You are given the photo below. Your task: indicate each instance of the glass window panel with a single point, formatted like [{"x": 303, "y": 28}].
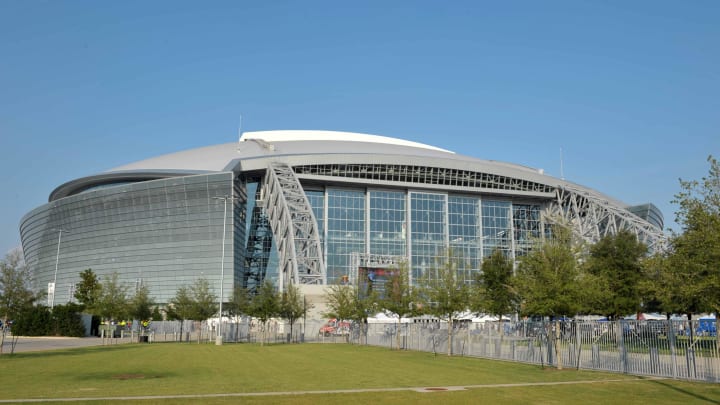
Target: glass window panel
[
  {"x": 496, "y": 227},
  {"x": 526, "y": 224},
  {"x": 345, "y": 231},
  {"x": 387, "y": 223},
  {"x": 427, "y": 227},
  {"x": 465, "y": 233}
]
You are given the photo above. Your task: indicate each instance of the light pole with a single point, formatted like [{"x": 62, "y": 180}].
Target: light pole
[
  {"x": 219, "y": 337},
  {"x": 57, "y": 260}
]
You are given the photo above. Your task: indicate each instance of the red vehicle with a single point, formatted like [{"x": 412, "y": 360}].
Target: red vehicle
[{"x": 333, "y": 327}]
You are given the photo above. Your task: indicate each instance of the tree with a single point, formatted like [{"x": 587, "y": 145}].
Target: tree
[
  {"x": 694, "y": 256},
  {"x": 446, "y": 295},
  {"x": 141, "y": 305},
  {"x": 399, "y": 299},
  {"x": 156, "y": 314},
  {"x": 547, "y": 278},
  {"x": 15, "y": 292},
  {"x": 346, "y": 303},
  {"x": 493, "y": 290},
  {"x": 616, "y": 261},
  {"x": 340, "y": 299},
  {"x": 291, "y": 306},
  {"x": 239, "y": 304},
  {"x": 181, "y": 307},
  {"x": 205, "y": 302},
  {"x": 548, "y": 281},
  {"x": 265, "y": 305},
  {"x": 364, "y": 304},
  {"x": 88, "y": 289},
  {"x": 112, "y": 303}
]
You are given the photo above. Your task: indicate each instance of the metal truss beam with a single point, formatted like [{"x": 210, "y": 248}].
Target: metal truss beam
[
  {"x": 294, "y": 228},
  {"x": 592, "y": 218}
]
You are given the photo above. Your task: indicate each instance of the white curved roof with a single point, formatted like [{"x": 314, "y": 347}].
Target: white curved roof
[
  {"x": 294, "y": 135},
  {"x": 292, "y": 145},
  {"x": 217, "y": 157}
]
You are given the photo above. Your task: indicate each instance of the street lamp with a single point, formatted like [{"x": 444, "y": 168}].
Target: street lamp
[
  {"x": 219, "y": 337},
  {"x": 57, "y": 260}
]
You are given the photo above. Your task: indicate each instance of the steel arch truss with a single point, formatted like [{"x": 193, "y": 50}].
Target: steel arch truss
[
  {"x": 592, "y": 218},
  {"x": 294, "y": 228}
]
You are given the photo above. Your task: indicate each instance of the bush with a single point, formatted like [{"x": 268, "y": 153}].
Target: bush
[
  {"x": 66, "y": 321},
  {"x": 32, "y": 321}
]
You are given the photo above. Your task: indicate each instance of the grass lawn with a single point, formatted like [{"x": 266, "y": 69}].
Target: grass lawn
[{"x": 191, "y": 369}]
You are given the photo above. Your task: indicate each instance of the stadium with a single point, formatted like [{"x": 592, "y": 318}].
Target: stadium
[{"x": 305, "y": 208}]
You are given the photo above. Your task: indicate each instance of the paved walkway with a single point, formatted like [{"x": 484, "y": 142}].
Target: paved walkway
[{"x": 270, "y": 394}]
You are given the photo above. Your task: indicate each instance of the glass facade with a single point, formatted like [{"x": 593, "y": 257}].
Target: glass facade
[
  {"x": 161, "y": 233},
  {"x": 496, "y": 229},
  {"x": 387, "y": 223},
  {"x": 466, "y": 233},
  {"x": 526, "y": 227},
  {"x": 420, "y": 226},
  {"x": 168, "y": 233},
  {"x": 428, "y": 232},
  {"x": 345, "y": 231}
]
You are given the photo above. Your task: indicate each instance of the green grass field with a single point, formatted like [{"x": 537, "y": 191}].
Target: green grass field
[{"x": 191, "y": 369}]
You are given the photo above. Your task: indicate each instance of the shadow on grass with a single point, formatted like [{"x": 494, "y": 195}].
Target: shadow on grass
[
  {"x": 75, "y": 351},
  {"x": 686, "y": 392},
  {"x": 134, "y": 374}
]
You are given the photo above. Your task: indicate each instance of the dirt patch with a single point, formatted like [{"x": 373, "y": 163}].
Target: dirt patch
[{"x": 435, "y": 389}]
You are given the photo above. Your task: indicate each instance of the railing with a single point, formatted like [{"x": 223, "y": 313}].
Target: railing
[
  {"x": 675, "y": 349},
  {"x": 650, "y": 348}
]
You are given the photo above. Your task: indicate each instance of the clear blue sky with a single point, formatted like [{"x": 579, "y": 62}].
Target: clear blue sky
[{"x": 630, "y": 90}]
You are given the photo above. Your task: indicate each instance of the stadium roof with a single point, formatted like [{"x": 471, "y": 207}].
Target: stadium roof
[{"x": 255, "y": 149}]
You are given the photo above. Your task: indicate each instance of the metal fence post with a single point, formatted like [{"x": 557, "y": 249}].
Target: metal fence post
[{"x": 621, "y": 345}]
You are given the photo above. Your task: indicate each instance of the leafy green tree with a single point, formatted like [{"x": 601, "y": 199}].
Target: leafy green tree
[
  {"x": 365, "y": 305},
  {"x": 694, "y": 257},
  {"x": 140, "y": 307},
  {"x": 181, "y": 307},
  {"x": 549, "y": 282},
  {"x": 340, "y": 300},
  {"x": 658, "y": 288},
  {"x": 291, "y": 306},
  {"x": 87, "y": 291},
  {"x": 399, "y": 299},
  {"x": 156, "y": 314},
  {"x": 346, "y": 303},
  {"x": 205, "y": 302},
  {"x": 547, "y": 278},
  {"x": 446, "y": 295},
  {"x": 112, "y": 303},
  {"x": 15, "y": 293},
  {"x": 265, "y": 305},
  {"x": 239, "y": 305},
  {"x": 493, "y": 291},
  {"x": 617, "y": 261}
]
